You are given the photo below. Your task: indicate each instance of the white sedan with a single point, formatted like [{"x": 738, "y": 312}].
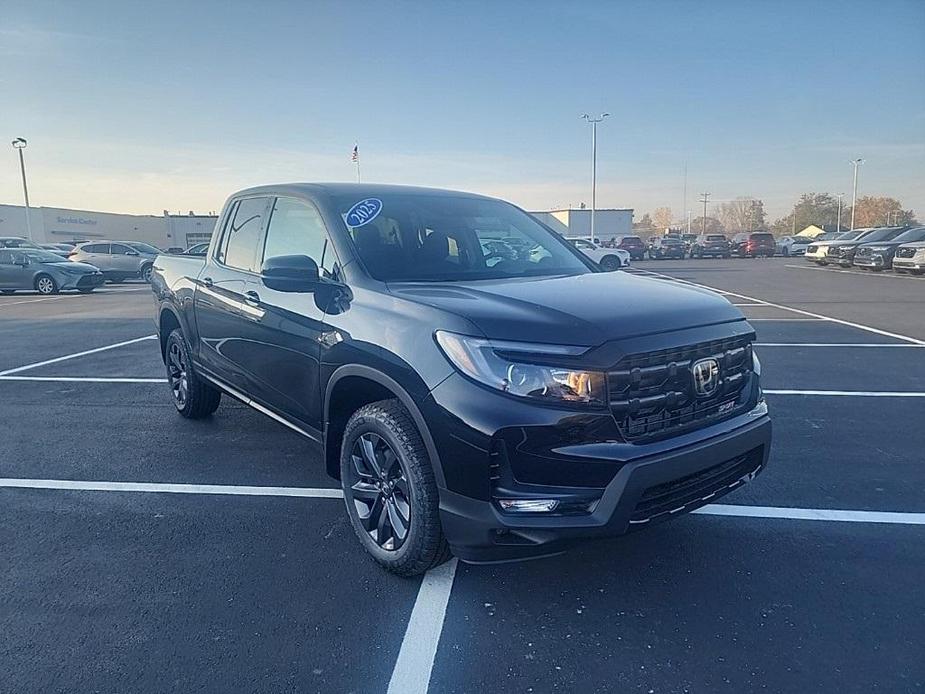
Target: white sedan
[{"x": 607, "y": 258}]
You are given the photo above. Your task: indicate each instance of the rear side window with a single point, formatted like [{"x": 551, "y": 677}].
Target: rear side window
[
  {"x": 239, "y": 244},
  {"x": 716, "y": 237},
  {"x": 95, "y": 248},
  {"x": 6, "y": 257}
]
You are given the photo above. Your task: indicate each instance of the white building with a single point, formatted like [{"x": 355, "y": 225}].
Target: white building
[
  {"x": 572, "y": 223},
  {"x": 56, "y": 224}
]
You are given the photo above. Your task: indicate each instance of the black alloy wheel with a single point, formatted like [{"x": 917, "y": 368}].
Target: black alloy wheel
[
  {"x": 379, "y": 489},
  {"x": 178, "y": 374}
]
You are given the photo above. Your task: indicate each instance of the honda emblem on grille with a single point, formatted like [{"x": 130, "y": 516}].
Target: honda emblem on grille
[{"x": 706, "y": 377}]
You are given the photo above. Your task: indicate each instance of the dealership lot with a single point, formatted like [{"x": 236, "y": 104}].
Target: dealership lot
[{"x": 119, "y": 575}]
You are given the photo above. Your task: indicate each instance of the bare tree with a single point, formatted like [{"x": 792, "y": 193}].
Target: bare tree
[
  {"x": 661, "y": 218},
  {"x": 742, "y": 214}
]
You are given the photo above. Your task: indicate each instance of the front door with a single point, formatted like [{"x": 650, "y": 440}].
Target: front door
[{"x": 287, "y": 327}]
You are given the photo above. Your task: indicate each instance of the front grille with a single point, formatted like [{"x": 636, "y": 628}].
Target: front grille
[
  {"x": 905, "y": 253},
  {"x": 687, "y": 493},
  {"x": 652, "y": 394}
]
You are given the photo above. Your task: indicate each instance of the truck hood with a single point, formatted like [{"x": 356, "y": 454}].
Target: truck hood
[{"x": 585, "y": 310}]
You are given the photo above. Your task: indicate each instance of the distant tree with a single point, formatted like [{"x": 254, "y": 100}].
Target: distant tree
[
  {"x": 662, "y": 218},
  {"x": 742, "y": 214},
  {"x": 879, "y": 211},
  {"x": 644, "y": 224},
  {"x": 820, "y": 209},
  {"x": 712, "y": 225}
]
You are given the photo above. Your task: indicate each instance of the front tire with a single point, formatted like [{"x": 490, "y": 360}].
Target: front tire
[
  {"x": 610, "y": 263},
  {"x": 390, "y": 490},
  {"x": 45, "y": 284},
  {"x": 193, "y": 397}
]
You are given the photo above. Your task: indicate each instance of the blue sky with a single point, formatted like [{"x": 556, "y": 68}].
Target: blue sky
[{"x": 137, "y": 107}]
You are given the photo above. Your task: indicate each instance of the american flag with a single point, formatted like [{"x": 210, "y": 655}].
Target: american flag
[{"x": 356, "y": 153}]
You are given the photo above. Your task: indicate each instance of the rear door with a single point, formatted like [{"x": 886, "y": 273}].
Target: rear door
[
  {"x": 10, "y": 272},
  {"x": 285, "y": 327},
  {"x": 97, "y": 254},
  {"x": 223, "y": 319},
  {"x": 123, "y": 258}
]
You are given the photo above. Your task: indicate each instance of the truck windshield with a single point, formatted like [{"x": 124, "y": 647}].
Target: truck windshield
[{"x": 444, "y": 238}]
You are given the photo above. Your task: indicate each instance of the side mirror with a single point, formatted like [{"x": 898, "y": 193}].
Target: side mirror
[{"x": 290, "y": 273}]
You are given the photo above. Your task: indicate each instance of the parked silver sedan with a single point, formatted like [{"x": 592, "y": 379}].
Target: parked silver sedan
[{"x": 43, "y": 271}]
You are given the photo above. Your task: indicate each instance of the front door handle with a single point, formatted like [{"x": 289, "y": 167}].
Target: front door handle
[{"x": 252, "y": 298}]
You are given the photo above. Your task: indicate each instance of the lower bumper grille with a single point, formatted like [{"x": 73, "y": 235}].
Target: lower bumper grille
[
  {"x": 687, "y": 493},
  {"x": 90, "y": 281}
]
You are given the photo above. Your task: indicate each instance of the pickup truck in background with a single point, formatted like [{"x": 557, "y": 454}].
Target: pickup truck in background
[{"x": 491, "y": 405}]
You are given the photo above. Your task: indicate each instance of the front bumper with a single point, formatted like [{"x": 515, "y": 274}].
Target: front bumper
[
  {"x": 87, "y": 281},
  {"x": 908, "y": 264},
  {"x": 875, "y": 261},
  {"x": 605, "y": 486}
]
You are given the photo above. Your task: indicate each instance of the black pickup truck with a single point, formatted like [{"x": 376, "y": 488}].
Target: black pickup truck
[{"x": 475, "y": 383}]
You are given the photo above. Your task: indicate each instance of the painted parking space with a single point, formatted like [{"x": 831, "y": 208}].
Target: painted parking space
[
  {"x": 138, "y": 593},
  {"x": 699, "y": 604}
]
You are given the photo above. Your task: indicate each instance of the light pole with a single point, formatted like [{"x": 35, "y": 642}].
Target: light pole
[
  {"x": 593, "y": 122},
  {"x": 854, "y": 196},
  {"x": 20, "y": 144},
  {"x": 838, "y": 223}
]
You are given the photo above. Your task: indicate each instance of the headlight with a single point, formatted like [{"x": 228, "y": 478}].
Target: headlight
[
  {"x": 756, "y": 363},
  {"x": 497, "y": 365},
  {"x": 920, "y": 253}
]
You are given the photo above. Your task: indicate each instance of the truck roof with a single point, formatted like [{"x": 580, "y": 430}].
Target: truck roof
[{"x": 360, "y": 190}]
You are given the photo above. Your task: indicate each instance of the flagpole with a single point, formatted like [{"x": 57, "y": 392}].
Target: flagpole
[{"x": 358, "y": 168}]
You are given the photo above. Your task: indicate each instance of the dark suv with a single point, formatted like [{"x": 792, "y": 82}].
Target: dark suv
[
  {"x": 754, "y": 244},
  {"x": 713, "y": 245},
  {"x": 634, "y": 246},
  {"x": 495, "y": 405}
]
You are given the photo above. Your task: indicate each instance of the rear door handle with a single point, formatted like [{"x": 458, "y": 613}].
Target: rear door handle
[
  {"x": 252, "y": 298},
  {"x": 206, "y": 281}
]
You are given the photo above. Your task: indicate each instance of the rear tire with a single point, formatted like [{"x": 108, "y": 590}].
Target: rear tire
[
  {"x": 45, "y": 284},
  {"x": 389, "y": 487},
  {"x": 193, "y": 397}
]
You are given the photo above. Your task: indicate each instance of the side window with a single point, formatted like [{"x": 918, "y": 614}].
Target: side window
[
  {"x": 119, "y": 249},
  {"x": 239, "y": 245},
  {"x": 96, "y": 248},
  {"x": 296, "y": 228},
  {"x": 6, "y": 258}
]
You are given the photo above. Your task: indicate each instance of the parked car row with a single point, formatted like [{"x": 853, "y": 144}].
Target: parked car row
[{"x": 901, "y": 249}]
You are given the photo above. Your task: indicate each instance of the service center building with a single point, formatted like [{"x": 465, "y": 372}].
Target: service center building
[{"x": 61, "y": 225}]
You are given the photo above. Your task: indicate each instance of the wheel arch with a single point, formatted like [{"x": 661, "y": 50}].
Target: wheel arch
[
  {"x": 350, "y": 387},
  {"x": 167, "y": 322}
]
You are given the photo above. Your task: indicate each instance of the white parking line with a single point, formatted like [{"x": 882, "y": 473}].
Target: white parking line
[
  {"x": 817, "y": 316},
  {"x": 815, "y": 514},
  {"x": 785, "y": 320},
  {"x": 30, "y": 301},
  {"x": 836, "y": 344},
  {"x": 419, "y": 646},
  {"x": 854, "y": 272},
  {"x": 850, "y": 393},
  {"x": 157, "y": 487},
  {"x": 75, "y": 355},
  {"x": 82, "y": 379}
]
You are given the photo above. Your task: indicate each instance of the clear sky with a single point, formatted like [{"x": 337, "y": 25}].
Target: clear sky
[{"x": 142, "y": 106}]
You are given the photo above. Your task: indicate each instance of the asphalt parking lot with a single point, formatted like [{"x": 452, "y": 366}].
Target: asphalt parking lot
[{"x": 142, "y": 552}]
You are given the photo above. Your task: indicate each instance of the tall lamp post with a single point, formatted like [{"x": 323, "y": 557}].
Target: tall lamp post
[
  {"x": 593, "y": 122},
  {"x": 20, "y": 144},
  {"x": 854, "y": 196},
  {"x": 838, "y": 223}
]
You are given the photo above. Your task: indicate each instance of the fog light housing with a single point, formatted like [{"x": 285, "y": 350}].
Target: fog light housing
[{"x": 528, "y": 505}]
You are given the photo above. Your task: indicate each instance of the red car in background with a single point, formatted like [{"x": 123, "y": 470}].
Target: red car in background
[
  {"x": 753, "y": 244},
  {"x": 634, "y": 246}
]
